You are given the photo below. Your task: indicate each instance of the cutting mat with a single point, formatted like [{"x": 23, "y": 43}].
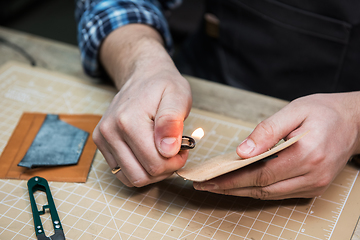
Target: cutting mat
[{"x": 103, "y": 208}]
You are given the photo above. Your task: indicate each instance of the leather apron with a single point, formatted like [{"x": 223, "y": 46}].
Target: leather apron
[{"x": 281, "y": 48}]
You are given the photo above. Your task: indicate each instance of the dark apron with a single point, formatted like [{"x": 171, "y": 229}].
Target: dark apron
[{"x": 281, "y": 48}]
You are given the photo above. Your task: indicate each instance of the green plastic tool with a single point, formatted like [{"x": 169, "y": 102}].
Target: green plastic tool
[{"x": 40, "y": 184}]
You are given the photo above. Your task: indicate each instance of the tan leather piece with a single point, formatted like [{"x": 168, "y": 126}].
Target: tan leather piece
[
  {"x": 222, "y": 164},
  {"x": 25, "y": 133}
]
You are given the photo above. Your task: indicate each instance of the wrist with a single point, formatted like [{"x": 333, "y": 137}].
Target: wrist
[
  {"x": 356, "y": 119},
  {"x": 127, "y": 47},
  {"x": 353, "y": 110},
  {"x": 148, "y": 59},
  {"x": 347, "y": 107}
]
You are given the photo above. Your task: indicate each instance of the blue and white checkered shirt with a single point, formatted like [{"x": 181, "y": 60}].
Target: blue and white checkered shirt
[{"x": 97, "y": 18}]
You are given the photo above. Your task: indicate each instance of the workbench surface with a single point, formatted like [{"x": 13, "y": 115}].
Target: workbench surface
[{"x": 222, "y": 100}]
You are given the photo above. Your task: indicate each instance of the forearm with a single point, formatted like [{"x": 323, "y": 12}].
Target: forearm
[
  {"x": 98, "y": 19},
  {"x": 128, "y": 48}
]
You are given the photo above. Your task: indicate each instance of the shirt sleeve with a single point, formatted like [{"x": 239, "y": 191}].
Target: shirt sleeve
[{"x": 98, "y": 18}]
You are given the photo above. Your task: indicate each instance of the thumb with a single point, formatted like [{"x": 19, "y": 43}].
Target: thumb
[
  {"x": 169, "y": 124},
  {"x": 269, "y": 132}
]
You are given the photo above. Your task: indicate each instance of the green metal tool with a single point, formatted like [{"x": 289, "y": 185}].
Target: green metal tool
[{"x": 40, "y": 184}]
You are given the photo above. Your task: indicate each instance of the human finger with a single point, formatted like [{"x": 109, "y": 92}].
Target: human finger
[
  {"x": 131, "y": 168},
  {"x": 271, "y": 131},
  {"x": 106, "y": 151},
  {"x": 173, "y": 109},
  {"x": 280, "y": 190},
  {"x": 289, "y": 163}
]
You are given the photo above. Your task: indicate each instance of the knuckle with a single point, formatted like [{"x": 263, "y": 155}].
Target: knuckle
[
  {"x": 171, "y": 117},
  {"x": 96, "y": 136},
  {"x": 264, "y": 178},
  {"x": 124, "y": 122},
  {"x": 102, "y": 131},
  {"x": 323, "y": 182},
  {"x": 103, "y": 128},
  {"x": 317, "y": 158},
  {"x": 232, "y": 183},
  {"x": 260, "y": 193},
  {"x": 267, "y": 128},
  {"x": 155, "y": 170},
  {"x": 315, "y": 162},
  {"x": 140, "y": 183}
]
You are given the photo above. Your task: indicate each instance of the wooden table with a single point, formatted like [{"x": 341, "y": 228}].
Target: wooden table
[
  {"x": 64, "y": 58},
  {"x": 210, "y": 96}
]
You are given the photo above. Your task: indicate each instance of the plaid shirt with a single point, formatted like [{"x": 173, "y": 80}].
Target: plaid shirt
[{"x": 97, "y": 18}]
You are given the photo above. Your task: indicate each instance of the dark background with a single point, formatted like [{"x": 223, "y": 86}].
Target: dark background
[{"x": 55, "y": 19}]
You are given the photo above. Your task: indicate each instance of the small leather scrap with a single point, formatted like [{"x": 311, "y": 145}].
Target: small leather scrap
[
  {"x": 56, "y": 144},
  {"x": 229, "y": 162},
  {"x": 24, "y": 135}
]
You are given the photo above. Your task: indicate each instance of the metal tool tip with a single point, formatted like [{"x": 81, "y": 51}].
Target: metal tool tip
[{"x": 187, "y": 143}]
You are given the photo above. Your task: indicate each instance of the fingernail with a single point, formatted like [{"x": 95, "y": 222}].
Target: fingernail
[
  {"x": 247, "y": 146},
  {"x": 167, "y": 145},
  {"x": 205, "y": 186}
]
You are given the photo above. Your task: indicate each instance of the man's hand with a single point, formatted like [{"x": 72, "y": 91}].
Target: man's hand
[
  {"x": 306, "y": 168},
  {"x": 142, "y": 128}
]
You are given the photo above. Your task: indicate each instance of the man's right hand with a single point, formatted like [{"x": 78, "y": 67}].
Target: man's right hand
[{"x": 142, "y": 128}]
